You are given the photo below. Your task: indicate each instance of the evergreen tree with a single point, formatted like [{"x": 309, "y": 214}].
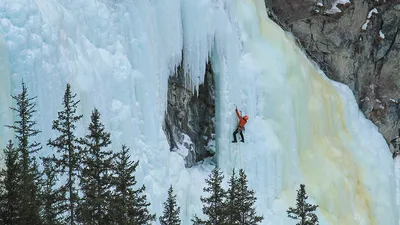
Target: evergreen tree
[
  {"x": 303, "y": 211},
  {"x": 67, "y": 147},
  {"x": 171, "y": 210},
  {"x": 213, "y": 205},
  {"x": 35, "y": 193},
  {"x": 24, "y": 129},
  {"x": 96, "y": 176},
  {"x": 197, "y": 221},
  {"x": 232, "y": 198},
  {"x": 129, "y": 206},
  {"x": 10, "y": 198},
  {"x": 2, "y": 199},
  {"x": 246, "y": 200},
  {"x": 53, "y": 204}
]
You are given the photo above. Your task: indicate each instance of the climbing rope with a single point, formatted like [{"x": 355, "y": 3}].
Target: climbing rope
[{"x": 240, "y": 157}]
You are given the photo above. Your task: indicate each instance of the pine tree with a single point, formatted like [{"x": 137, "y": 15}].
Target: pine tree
[
  {"x": 303, "y": 211},
  {"x": 232, "y": 198},
  {"x": 213, "y": 205},
  {"x": 171, "y": 210},
  {"x": 35, "y": 193},
  {"x": 246, "y": 200},
  {"x": 96, "y": 176},
  {"x": 67, "y": 147},
  {"x": 24, "y": 129},
  {"x": 53, "y": 204},
  {"x": 129, "y": 206},
  {"x": 3, "y": 192},
  {"x": 197, "y": 221},
  {"x": 10, "y": 198}
]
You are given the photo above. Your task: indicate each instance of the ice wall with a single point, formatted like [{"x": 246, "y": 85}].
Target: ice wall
[
  {"x": 303, "y": 128},
  {"x": 397, "y": 174},
  {"x": 118, "y": 55},
  {"x": 5, "y": 101}
]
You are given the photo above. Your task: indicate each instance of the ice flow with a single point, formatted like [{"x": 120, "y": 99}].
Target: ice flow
[{"x": 118, "y": 56}]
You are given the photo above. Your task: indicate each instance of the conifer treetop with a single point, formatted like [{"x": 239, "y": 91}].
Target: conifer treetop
[
  {"x": 171, "y": 210},
  {"x": 304, "y": 211},
  {"x": 213, "y": 204},
  {"x": 96, "y": 178},
  {"x": 24, "y": 125},
  {"x": 130, "y": 206},
  {"x": 246, "y": 201},
  {"x": 66, "y": 144},
  {"x": 25, "y": 131}
]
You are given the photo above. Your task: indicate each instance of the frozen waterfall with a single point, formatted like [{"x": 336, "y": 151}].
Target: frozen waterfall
[{"x": 118, "y": 56}]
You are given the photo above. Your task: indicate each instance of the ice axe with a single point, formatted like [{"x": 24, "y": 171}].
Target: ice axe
[{"x": 236, "y": 108}]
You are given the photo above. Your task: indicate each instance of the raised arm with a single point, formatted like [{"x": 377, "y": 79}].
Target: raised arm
[{"x": 238, "y": 114}]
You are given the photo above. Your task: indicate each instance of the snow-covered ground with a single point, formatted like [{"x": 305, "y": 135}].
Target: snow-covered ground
[{"x": 303, "y": 128}]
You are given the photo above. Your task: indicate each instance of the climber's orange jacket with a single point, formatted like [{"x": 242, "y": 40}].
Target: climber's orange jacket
[{"x": 242, "y": 121}]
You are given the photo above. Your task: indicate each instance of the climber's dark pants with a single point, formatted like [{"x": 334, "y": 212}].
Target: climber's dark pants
[{"x": 238, "y": 130}]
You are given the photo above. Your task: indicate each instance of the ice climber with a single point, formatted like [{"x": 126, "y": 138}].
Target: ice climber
[{"x": 240, "y": 127}]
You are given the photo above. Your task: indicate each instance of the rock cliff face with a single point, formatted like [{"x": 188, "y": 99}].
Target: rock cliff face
[
  {"x": 356, "y": 43},
  {"x": 190, "y": 118}
]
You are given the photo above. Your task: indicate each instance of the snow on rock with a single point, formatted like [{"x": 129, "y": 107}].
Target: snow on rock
[
  {"x": 374, "y": 10},
  {"x": 186, "y": 146},
  {"x": 365, "y": 99},
  {"x": 381, "y": 35},
  {"x": 334, "y": 9},
  {"x": 365, "y": 25}
]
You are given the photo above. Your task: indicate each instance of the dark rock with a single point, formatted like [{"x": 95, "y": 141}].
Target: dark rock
[
  {"x": 368, "y": 63},
  {"x": 189, "y": 120}
]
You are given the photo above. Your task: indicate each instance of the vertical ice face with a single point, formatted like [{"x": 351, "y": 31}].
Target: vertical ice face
[
  {"x": 5, "y": 100},
  {"x": 118, "y": 55},
  {"x": 304, "y": 128},
  {"x": 397, "y": 174}
]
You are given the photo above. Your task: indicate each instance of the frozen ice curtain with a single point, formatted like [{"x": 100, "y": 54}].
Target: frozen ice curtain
[{"x": 118, "y": 56}]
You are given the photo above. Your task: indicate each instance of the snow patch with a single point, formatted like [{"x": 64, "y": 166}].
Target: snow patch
[
  {"x": 372, "y": 12},
  {"x": 365, "y": 99},
  {"x": 381, "y": 34},
  {"x": 365, "y": 25},
  {"x": 212, "y": 146},
  {"x": 334, "y": 9},
  {"x": 184, "y": 147}
]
